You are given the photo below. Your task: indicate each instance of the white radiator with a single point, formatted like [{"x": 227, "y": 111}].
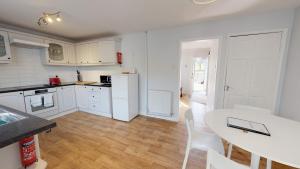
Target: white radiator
[{"x": 160, "y": 102}]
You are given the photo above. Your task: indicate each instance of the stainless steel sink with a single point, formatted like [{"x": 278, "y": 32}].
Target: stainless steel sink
[{"x": 8, "y": 117}]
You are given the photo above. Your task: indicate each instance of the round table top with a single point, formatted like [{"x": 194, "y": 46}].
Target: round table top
[{"x": 282, "y": 146}]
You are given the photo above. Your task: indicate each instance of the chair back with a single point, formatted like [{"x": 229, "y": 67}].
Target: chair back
[
  {"x": 251, "y": 108},
  {"x": 189, "y": 121},
  {"x": 218, "y": 161}
]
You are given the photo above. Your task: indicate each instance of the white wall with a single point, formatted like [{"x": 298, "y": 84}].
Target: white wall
[
  {"x": 290, "y": 105},
  {"x": 27, "y": 69},
  {"x": 164, "y": 48}
]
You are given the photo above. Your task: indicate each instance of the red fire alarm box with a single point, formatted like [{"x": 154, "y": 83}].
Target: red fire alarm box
[{"x": 119, "y": 57}]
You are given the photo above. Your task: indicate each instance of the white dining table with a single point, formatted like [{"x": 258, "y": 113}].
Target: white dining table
[{"x": 282, "y": 146}]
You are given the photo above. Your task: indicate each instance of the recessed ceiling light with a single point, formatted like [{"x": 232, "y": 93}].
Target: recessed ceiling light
[{"x": 203, "y": 2}]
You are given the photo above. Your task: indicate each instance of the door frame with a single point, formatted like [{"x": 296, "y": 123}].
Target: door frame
[
  {"x": 282, "y": 62},
  {"x": 219, "y": 79}
]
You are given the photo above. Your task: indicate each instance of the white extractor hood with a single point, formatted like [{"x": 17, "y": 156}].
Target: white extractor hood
[{"x": 21, "y": 42}]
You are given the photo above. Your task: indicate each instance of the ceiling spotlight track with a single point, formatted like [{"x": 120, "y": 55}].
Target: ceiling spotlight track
[
  {"x": 203, "y": 2},
  {"x": 49, "y": 18}
]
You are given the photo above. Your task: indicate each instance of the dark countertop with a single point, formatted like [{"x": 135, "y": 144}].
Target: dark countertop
[
  {"x": 31, "y": 87},
  {"x": 43, "y": 86},
  {"x": 15, "y": 131},
  {"x": 99, "y": 85}
]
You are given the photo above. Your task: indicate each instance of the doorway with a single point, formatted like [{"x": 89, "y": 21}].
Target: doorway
[{"x": 198, "y": 70}]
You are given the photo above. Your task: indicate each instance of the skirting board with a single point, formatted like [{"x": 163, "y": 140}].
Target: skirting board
[
  {"x": 95, "y": 113},
  {"x": 63, "y": 113}
]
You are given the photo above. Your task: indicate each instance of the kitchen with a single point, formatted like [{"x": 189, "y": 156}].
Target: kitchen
[{"x": 59, "y": 96}]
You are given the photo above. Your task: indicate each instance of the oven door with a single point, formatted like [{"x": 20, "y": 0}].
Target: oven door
[{"x": 42, "y": 105}]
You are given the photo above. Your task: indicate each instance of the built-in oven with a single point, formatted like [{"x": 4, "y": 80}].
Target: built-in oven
[{"x": 41, "y": 102}]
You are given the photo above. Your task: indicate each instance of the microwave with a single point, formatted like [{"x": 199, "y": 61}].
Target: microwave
[{"x": 105, "y": 79}]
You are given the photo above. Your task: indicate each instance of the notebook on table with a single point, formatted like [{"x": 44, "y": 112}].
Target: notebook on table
[{"x": 246, "y": 125}]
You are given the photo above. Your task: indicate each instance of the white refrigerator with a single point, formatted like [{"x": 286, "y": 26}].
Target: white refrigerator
[{"x": 125, "y": 96}]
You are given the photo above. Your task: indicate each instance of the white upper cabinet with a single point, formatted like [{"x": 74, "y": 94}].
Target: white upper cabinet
[
  {"x": 5, "y": 55},
  {"x": 70, "y": 53},
  {"x": 108, "y": 51},
  {"x": 60, "y": 53},
  {"x": 87, "y": 53},
  {"x": 100, "y": 52}
]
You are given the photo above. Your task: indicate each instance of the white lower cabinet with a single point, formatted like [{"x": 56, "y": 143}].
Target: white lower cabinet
[
  {"x": 66, "y": 98},
  {"x": 13, "y": 100},
  {"x": 95, "y": 100},
  {"x": 82, "y": 97}
]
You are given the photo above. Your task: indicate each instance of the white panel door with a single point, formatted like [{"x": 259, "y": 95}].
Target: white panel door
[{"x": 253, "y": 66}]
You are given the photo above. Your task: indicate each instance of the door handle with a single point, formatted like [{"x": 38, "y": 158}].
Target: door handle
[{"x": 226, "y": 88}]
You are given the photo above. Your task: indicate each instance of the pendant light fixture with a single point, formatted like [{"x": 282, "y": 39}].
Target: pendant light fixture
[{"x": 49, "y": 18}]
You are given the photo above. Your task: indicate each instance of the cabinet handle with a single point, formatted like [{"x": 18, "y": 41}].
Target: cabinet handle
[
  {"x": 21, "y": 93},
  {"x": 99, "y": 61},
  {"x": 8, "y": 58}
]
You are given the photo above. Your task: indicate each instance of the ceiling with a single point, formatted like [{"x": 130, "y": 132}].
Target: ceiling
[{"x": 90, "y": 18}]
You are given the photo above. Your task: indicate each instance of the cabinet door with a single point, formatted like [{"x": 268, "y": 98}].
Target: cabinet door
[
  {"x": 82, "y": 53},
  {"x": 66, "y": 98},
  {"x": 108, "y": 51},
  {"x": 5, "y": 55},
  {"x": 13, "y": 100},
  {"x": 82, "y": 97},
  {"x": 70, "y": 53},
  {"x": 56, "y": 53},
  {"x": 94, "y": 53}
]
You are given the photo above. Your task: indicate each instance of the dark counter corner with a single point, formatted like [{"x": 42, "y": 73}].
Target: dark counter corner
[{"x": 15, "y": 131}]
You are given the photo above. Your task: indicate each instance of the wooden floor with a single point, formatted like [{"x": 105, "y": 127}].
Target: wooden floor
[{"x": 84, "y": 141}]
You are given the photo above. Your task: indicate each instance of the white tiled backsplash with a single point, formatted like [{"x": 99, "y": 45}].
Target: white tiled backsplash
[{"x": 27, "y": 69}]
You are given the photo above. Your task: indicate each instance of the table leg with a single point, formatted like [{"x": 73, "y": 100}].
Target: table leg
[{"x": 254, "y": 161}]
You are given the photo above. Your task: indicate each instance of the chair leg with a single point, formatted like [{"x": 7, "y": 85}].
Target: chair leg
[
  {"x": 255, "y": 159},
  {"x": 269, "y": 164},
  {"x": 229, "y": 151},
  {"x": 187, "y": 152}
]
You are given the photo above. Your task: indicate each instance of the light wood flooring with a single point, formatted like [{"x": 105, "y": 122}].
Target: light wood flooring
[{"x": 85, "y": 141}]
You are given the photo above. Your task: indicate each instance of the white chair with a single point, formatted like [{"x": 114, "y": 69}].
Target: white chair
[
  {"x": 217, "y": 161},
  {"x": 254, "y": 159},
  {"x": 200, "y": 139}
]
